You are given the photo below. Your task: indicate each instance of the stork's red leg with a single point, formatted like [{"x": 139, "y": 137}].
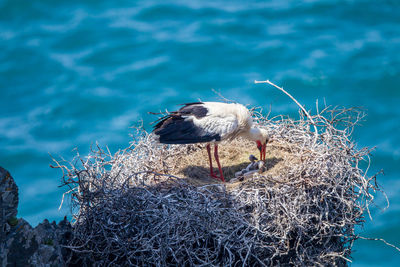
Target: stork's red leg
[
  {"x": 264, "y": 151},
  {"x": 221, "y": 176},
  {"x": 209, "y": 158}
]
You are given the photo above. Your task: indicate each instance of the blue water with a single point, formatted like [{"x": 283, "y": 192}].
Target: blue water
[{"x": 76, "y": 72}]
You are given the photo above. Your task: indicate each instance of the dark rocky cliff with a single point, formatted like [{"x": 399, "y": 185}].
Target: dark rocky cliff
[{"x": 21, "y": 244}]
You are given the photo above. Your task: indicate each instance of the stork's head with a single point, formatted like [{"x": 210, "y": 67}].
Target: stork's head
[{"x": 261, "y": 137}]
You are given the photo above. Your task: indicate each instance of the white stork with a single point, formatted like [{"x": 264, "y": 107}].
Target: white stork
[{"x": 210, "y": 122}]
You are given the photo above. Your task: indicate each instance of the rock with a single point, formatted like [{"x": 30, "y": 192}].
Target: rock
[
  {"x": 50, "y": 238},
  {"x": 22, "y": 245},
  {"x": 8, "y": 196},
  {"x": 8, "y": 210}
]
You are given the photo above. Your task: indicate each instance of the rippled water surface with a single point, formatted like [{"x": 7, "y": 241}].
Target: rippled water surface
[{"x": 76, "y": 72}]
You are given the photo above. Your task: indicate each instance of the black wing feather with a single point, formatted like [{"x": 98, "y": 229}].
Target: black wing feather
[{"x": 174, "y": 129}]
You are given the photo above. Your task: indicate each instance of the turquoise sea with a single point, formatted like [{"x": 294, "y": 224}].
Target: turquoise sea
[{"x": 76, "y": 72}]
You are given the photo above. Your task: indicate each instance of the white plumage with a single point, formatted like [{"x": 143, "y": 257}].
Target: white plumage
[{"x": 210, "y": 122}]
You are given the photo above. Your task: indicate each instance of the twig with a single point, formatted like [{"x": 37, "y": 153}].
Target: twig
[
  {"x": 298, "y": 104},
  {"x": 382, "y": 240},
  {"x": 226, "y": 100}
]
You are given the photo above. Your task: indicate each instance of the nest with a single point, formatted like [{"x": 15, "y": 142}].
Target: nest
[{"x": 153, "y": 204}]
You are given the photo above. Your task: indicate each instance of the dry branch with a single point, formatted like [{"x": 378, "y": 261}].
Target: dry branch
[{"x": 297, "y": 103}]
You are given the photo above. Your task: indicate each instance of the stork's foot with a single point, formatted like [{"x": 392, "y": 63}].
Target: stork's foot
[{"x": 217, "y": 177}]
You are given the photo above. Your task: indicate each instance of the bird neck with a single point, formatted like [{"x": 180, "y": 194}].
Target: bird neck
[{"x": 254, "y": 134}]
